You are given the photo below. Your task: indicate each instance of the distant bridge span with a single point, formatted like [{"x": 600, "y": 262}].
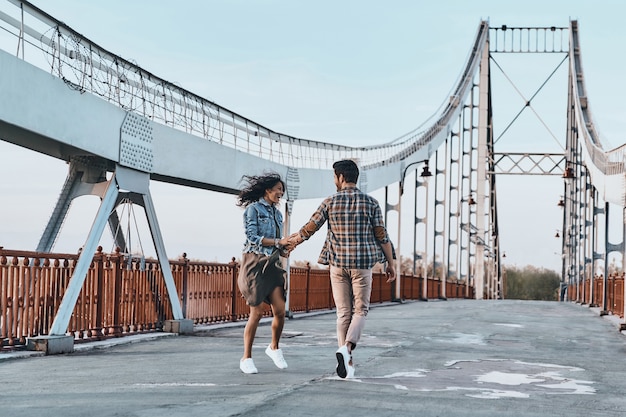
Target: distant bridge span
[{"x": 120, "y": 126}]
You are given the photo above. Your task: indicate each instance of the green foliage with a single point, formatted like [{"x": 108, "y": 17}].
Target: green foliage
[{"x": 531, "y": 283}]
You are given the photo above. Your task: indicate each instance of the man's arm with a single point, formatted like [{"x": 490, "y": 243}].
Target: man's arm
[
  {"x": 303, "y": 234},
  {"x": 381, "y": 235},
  {"x": 391, "y": 270},
  {"x": 313, "y": 225},
  {"x": 308, "y": 230}
]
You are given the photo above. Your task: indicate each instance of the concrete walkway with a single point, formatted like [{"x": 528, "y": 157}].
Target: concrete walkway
[{"x": 438, "y": 358}]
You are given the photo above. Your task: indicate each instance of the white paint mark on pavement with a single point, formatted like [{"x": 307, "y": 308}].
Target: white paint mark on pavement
[
  {"x": 178, "y": 384},
  {"x": 486, "y": 379}
]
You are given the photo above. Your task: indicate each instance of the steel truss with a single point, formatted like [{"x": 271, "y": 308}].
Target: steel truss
[
  {"x": 594, "y": 182},
  {"x": 456, "y": 220}
]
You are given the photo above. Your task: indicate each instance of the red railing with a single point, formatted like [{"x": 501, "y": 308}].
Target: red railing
[
  {"x": 123, "y": 295},
  {"x": 614, "y": 293}
]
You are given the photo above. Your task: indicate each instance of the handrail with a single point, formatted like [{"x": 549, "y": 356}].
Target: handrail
[
  {"x": 125, "y": 295},
  {"x": 88, "y": 67},
  {"x": 607, "y": 168}
]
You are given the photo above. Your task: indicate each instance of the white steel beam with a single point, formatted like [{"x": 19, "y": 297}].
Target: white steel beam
[{"x": 62, "y": 318}]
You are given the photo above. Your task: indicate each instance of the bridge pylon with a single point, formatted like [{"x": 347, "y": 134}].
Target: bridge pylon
[
  {"x": 86, "y": 176},
  {"x": 132, "y": 184}
]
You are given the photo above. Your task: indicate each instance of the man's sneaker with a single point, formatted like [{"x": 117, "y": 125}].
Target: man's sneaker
[
  {"x": 247, "y": 366},
  {"x": 276, "y": 356},
  {"x": 350, "y": 373},
  {"x": 343, "y": 361}
]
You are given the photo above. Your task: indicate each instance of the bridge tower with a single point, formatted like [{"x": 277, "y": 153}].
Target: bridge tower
[{"x": 456, "y": 233}]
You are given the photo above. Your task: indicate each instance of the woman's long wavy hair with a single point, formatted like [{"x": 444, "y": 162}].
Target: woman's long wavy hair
[{"x": 255, "y": 186}]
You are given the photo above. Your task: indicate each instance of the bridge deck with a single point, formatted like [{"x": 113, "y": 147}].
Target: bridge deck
[{"x": 443, "y": 358}]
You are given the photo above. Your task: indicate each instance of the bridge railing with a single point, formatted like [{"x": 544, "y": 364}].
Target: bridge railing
[
  {"x": 607, "y": 167},
  {"x": 125, "y": 295},
  {"x": 585, "y": 294}
]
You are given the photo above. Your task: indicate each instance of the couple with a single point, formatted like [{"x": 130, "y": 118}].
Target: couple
[{"x": 355, "y": 242}]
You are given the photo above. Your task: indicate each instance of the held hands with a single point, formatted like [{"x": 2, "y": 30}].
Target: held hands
[
  {"x": 295, "y": 239},
  {"x": 289, "y": 243}
]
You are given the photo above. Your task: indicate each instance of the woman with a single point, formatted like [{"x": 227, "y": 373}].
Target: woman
[{"x": 262, "y": 277}]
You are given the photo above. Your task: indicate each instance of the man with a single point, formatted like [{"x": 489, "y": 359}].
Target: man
[{"x": 355, "y": 242}]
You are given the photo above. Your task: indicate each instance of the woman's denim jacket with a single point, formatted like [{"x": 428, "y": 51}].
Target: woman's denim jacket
[{"x": 261, "y": 219}]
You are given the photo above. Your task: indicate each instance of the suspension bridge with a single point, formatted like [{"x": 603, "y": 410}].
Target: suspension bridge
[{"x": 120, "y": 127}]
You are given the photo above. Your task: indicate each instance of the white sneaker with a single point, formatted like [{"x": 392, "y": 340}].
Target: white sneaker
[
  {"x": 350, "y": 373},
  {"x": 276, "y": 356},
  {"x": 343, "y": 361},
  {"x": 247, "y": 366}
]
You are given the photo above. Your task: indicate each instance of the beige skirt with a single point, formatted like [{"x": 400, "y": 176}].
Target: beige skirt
[{"x": 259, "y": 275}]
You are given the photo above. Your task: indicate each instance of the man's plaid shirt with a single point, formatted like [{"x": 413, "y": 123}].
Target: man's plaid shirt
[{"x": 354, "y": 222}]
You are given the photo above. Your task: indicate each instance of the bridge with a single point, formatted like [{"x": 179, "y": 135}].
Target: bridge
[{"x": 120, "y": 127}]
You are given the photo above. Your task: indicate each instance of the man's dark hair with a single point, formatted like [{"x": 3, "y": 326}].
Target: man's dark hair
[{"x": 348, "y": 169}]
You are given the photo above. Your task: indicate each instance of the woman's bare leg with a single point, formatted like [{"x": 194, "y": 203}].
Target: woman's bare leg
[
  {"x": 250, "y": 330},
  {"x": 278, "y": 310}
]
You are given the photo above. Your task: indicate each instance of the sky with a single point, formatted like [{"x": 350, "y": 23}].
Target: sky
[{"x": 351, "y": 72}]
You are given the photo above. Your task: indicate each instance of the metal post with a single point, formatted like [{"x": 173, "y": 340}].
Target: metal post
[
  {"x": 623, "y": 324},
  {"x": 62, "y": 318},
  {"x": 481, "y": 172},
  {"x": 594, "y": 241},
  {"x": 425, "y": 257},
  {"x": 605, "y": 280},
  {"x": 444, "y": 232},
  {"x": 287, "y": 227},
  {"x": 159, "y": 245},
  {"x": 398, "y": 294},
  {"x": 562, "y": 285}
]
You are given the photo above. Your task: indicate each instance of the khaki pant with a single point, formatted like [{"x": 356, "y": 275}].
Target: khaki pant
[{"x": 351, "y": 290}]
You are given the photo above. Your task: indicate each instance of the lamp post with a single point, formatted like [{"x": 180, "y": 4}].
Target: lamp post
[{"x": 426, "y": 174}]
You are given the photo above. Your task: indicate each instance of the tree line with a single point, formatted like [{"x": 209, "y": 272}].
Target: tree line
[
  {"x": 520, "y": 283},
  {"x": 531, "y": 283}
]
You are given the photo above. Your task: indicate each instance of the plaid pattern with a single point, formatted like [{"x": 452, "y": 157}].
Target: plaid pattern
[{"x": 350, "y": 242}]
